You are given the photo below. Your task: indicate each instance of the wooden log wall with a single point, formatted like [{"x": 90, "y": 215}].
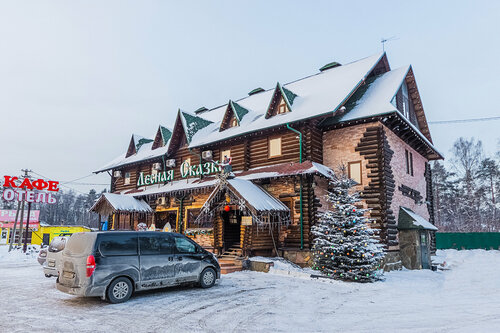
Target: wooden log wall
[
  {"x": 312, "y": 142},
  {"x": 260, "y": 242},
  {"x": 378, "y": 194},
  {"x": 259, "y": 149},
  {"x": 429, "y": 198},
  {"x": 218, "y": 232}
]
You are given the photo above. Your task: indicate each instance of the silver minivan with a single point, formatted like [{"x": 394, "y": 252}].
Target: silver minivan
[{"x": 114, "y": 264}]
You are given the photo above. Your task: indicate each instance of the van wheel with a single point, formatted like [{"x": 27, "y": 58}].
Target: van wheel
[
  {"x": 119, "y": 290},
  {"x": 47, "y": 275},
  {"x": 207, "y": 278}
]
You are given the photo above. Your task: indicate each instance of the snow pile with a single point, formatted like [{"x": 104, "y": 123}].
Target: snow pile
[
  {"x": 17, "y": 255},
  {"x": 463, "y": 299},
  {"x": 281, "y": 266}
]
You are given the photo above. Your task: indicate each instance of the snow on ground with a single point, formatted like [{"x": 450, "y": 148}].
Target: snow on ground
[{"x": 465, "y": 298}]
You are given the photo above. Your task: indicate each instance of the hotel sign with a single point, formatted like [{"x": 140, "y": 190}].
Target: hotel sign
[
  {"x": 186, "y": 170},
  {"x": 14, "y": 189}
]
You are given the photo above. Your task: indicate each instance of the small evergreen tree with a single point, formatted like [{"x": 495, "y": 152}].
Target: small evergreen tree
[{"x": 344, "y": 247}]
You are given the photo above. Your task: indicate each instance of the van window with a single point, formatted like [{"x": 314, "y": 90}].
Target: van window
[
  {"x": 149, "y": 244},
  {"x": 184, "y": 246},
  {"x": 79, "y": 243},
  {"x": 156, "y": 244},
  {"x": 166, "y": 244},
  {"x": 118, "y": 244},
  {"x": 57, "y": 244}
]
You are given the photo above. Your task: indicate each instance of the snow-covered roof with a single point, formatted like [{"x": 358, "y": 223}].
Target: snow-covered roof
[
  {"x": 316, "y": 95},
  {"x": 285, "y": 169},
  {"x": 255, "y": 196},
  {"x": 144, "y": 151},
  {"x": 312, "y": 96},
  {"x": 376, "y": 100},
  {"x": 120, "y": 203},
  {"x": 411, "y": 220}
]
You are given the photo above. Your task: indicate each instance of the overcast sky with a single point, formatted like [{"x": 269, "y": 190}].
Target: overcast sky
[{"x": 77, "y": 78}]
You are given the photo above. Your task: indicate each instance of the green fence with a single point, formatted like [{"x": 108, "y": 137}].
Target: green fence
[{"x": 468, "y": 240}]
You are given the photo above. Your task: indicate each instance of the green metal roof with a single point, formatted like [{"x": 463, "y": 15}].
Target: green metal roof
[
  {"x": 255, "y": 91},
  {"x": 239, "y": 110},
  {"x": 142, "y": 142},
  {"x": 193, "y": 124},
  {"x": 289, "y": 95},
  {"x": 330, "y": 65},
  {"x": 166, "y": 134}
]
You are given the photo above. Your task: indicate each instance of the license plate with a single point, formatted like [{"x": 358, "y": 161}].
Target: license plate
[
  {"x": 68, "y": 275},
  {"x": 52, "y": 264}
]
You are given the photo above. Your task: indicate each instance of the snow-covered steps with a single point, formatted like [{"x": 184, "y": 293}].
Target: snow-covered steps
[
  {"x": 231, "y": 260},
  {"x": 230, "y": 265}
]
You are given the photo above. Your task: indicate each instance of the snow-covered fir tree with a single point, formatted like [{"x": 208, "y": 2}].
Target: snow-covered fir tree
[{"x": 344, "y": 246}]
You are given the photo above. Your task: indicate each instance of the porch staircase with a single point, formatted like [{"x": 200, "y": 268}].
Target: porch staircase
[{"x": 231, "y": 260}]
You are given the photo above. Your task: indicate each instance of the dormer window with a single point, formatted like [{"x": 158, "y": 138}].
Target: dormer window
[
  {"x": 282, "y": 107},
  {"x": 233, "y": 122}
]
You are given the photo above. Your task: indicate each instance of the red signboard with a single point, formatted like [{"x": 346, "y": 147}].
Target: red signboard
[
  {"x": 33, "y": 225},
  {"x": 29, "y": 190},
  {"x": 10, "y": 216}
]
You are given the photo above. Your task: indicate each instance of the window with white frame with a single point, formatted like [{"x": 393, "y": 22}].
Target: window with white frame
[
  {"x": 354, "y": 171},
  {"x": 126, "y": 179},
  {"x": 275, "y": 147}
]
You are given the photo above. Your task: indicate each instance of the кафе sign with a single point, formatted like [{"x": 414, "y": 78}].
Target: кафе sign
[
  {"x": 185, "y": 169},
  {"x": 14, "y": 189}
]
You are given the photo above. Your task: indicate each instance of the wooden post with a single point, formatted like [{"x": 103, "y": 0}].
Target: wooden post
[
  {"x": 13, "y": 236},
  {"x": 19, "y": 241},
  {"x": 25, "y": 246}
]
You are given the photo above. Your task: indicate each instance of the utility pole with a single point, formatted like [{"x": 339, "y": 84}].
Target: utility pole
[
  {"x": 25, "y": 246},
  {"x": 13, "y": 235},
  {"x": 20, "y": 241}
]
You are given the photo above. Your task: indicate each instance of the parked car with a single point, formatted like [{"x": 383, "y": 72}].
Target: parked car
[
  {"x": 114, "y": 264},
  {"x": 53, "y": 256},
  {"x": 42, "y": 255}
]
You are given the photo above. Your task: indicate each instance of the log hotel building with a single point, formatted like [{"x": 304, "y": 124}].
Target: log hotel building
[{"x": 283, "y": 145}]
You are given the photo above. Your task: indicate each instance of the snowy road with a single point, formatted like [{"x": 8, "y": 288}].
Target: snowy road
[{"x": 464, "y": 299}]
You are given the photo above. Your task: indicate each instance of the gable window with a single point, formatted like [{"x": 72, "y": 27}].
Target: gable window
[
  {"x": 233, "y": 122},
  {"x": 275, "y": 147},
  {"x": 406, "y": 101},
  {"x": 126, "y": 179},
  {"x": 409, "y": 162},
  {"x": 282, "y": 108},
  {"x": 354, "y": 171}
]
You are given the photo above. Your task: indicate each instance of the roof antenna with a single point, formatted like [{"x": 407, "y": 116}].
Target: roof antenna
[{"x": 385, "y": 40}]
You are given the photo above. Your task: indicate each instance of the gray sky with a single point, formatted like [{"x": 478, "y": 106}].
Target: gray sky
[{"x": 77, "y": 78}]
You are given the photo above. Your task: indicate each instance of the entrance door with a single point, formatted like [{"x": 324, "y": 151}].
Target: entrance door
[
  {"x": 424, "y": 249},
  {"x": 232, "y": 229},
  {"x": 3, "y": 236}
]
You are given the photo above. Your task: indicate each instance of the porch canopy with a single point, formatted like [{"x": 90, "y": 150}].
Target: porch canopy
[
  {"x": 250, "y": 198},
  {"x": 109, "y": 203},
  {"x": 411, "y": 220}
]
